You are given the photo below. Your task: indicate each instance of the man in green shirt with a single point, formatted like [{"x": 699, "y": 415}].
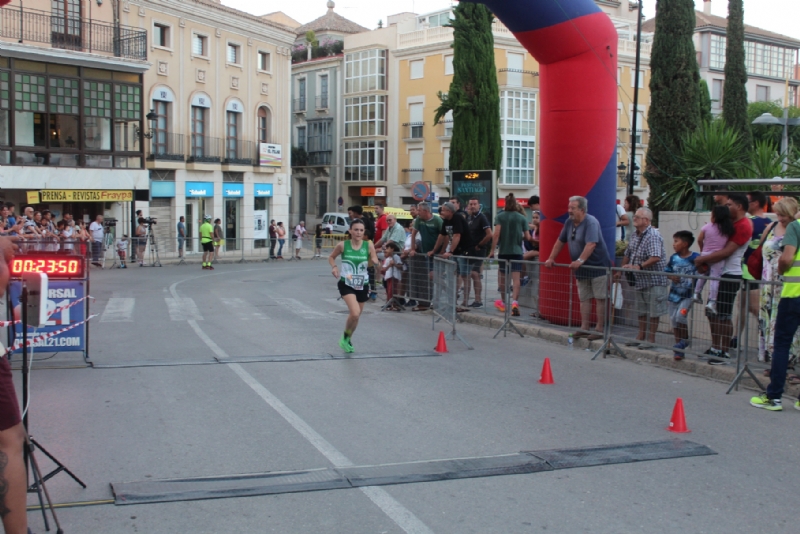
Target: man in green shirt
[
  {"x": 428, "y": 226},
  {"x": 510, "y": 227},
  {"x": 207, "y": 241}
]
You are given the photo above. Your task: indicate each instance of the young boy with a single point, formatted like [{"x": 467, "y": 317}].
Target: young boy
[
  {"x": 680, "y": 292},
  {"x": 392, "y": 272},
  {"x": 122, "y": 249}
]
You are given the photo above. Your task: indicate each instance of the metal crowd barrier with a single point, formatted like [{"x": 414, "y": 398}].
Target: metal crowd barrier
[{"x": 445, "y": 295}]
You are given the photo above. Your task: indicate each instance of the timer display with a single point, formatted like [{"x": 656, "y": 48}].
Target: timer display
[{"x": 52, "y": 266}]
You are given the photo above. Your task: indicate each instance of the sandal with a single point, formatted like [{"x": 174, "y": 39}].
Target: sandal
[
  {"x": 793, "y": 380},
  {"x": 580, "y": 334}
]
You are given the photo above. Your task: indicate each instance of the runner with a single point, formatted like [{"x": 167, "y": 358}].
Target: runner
[
  {"x": 206, "y": 233},
  {"x": 353, "y": 278}
]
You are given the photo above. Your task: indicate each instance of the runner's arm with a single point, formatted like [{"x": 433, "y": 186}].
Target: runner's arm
[{"x": 337, "y": 250}]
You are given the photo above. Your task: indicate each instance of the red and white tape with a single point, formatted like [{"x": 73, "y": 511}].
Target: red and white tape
[
  {"x": 33, "y": 341},
  {"x": 54, "y": 312}
]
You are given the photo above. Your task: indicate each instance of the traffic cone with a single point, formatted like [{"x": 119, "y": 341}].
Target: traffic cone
[
  {"x": 678, "y": 422},
  {"x": 547, "y": 374},
  {"x": 441, "y": 346}
]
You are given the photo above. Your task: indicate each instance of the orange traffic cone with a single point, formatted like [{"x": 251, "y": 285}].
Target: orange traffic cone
[
  {"x": 547, "y": 374},
  {"x": 441, "y": 346},
  {"x": 678, "y": 422}
]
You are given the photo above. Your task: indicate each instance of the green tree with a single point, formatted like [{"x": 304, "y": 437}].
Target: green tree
[
  {"x": 734, "y": 106},
  {"x": 705, "y": 102},
  {"x": 675, "y": 93},
  {"x": 769, "y": 132},
  {"x": 474, "y": 96}
]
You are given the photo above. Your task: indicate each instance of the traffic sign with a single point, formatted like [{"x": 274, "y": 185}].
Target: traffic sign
[{"x": 419, "y": 191}]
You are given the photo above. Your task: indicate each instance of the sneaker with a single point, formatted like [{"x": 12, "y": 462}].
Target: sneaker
[
  {"x": 524, "y": 281},
  {"x": 713, "y": 352},
  {"x": 797, "y": 405},
  {"x": 476, "y": 304},
  {"x": 515, "y": 310},
  {"x": 345, "y": 345},
  {"x": 412, "y": 303},
  {"x": 721, "y": 358},
  {"x": 373, "y": 296},
  {"x": 680, "y": 345},
  {"x": 712, "y": 306},
  {"x": 211, "y": 267},
  {"x": 500, "y": 305},
  {"x": 698, "y": 298},
  {"x": 762, "y": 401}
]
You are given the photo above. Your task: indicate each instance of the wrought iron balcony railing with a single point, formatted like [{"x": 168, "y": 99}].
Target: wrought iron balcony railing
[{"x": 167, "y": 147}]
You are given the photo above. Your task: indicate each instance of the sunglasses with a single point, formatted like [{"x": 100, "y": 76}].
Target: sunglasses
[{"x": 574, "y": 231}]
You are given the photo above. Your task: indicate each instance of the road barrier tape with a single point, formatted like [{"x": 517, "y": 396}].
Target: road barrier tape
[
  {"x": 54, "y": 312},
  {"x": 33, "y": 341}
]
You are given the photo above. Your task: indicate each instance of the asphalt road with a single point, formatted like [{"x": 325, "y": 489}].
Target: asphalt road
[{"x": 133, "y": 418}]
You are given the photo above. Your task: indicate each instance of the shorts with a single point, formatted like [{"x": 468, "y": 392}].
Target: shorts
[
  {"x": 677, "y": 316},
  {"x": 514, "y": 259},
  {"x": 217, "y": 243},
  {"x": 121, "y": 254},
  {"x": 593, "y": 288},
  {"x": 208, "y": 246},
  {"x": 753, "y": 285},
  {"x": 467, "y": 265},
  {"x": 361, "y": 296},
  {"x": 181, "y": 241},
  {"x": 298, "y": 244},
  {"x": 728, "y": 287},
  {"x": 9, "y": 407},
  {"x": 318, "y": 242},
  {"x": 652, "y": 301}
]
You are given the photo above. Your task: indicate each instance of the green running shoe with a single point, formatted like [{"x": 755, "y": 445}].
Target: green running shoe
[
  {"x": 797, "y": 405},
  {"x": 762, "y": 401},
  {"x": 345, "y": 345}
]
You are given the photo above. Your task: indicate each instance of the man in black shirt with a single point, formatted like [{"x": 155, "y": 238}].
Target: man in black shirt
[
  {"x": 455, "y": 233},
  {"x": 480, "y": 231},
  {"x": 459, "y": 210}
]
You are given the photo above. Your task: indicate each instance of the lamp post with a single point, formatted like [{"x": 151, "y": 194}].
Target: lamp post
[
  {"x": 769, "y": 118},
  {"x": 634, "y": 126}
]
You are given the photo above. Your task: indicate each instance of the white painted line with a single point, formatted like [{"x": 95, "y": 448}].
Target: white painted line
[
  {"x": 118, "y": 310},
  {"x": 301, "y": 309},
  {"x": 183, "y": 309},
  {"x": 392, "y": 508},
  {"x": 243, "y": 310}
]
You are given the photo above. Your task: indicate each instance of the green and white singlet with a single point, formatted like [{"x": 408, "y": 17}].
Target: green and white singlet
[{"x": 354, "y": 265}]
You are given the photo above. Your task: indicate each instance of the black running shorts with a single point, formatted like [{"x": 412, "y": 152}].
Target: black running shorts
[{"x": 361, "y": 296}]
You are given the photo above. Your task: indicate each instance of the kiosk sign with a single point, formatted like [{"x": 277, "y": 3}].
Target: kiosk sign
[
  {"x": 60, "y": 294},
  {"x": 480, "y": 184}
]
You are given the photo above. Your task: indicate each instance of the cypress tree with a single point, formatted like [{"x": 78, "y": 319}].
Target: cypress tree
[
  {"x": 675, "y": 93},
  {"x": 474, "y": 96},
  {"x": 734, "y": 105},
  {"x": 705, "y": 102}
]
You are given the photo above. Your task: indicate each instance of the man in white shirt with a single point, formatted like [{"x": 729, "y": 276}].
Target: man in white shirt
[{"x": 97, "y": 232}]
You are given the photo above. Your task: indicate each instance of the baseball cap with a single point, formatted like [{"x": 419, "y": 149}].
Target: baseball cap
[{"x": 207, "y": 218}]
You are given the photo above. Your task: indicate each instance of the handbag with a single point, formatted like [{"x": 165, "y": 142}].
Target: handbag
[
  {"x": 629, "y": 276},
  {"x": 755, "y": 262}
]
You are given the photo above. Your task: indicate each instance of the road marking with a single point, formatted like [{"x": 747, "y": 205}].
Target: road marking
[
  {"x": 182, "y": 309},
  {"x": 398, "y": 513},
  {"x": 244, "y": 310},
  {"x": 300, "y": 309},
  {"x": 118, "y": 310}
]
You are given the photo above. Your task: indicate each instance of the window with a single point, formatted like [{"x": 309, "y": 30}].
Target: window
[
  {"x": 518, "y": 162},
  {"x": 365, "y": 116},
  {"x": 198, "y": 131},
  {"x": 161, "y": 35},
  {"x": 301, "y": 137},
  {"x": 232, "y": 135},
  {"x": 319, "y": 136},
  {"x": 234, "y": 54},
  {"x": 716, "y": 93},
  {"x": 440, "y": 19},
  {"x": 415, "y": 165},
  {"x": 301, "y": 94},
  {"x": 323, "y": 92},
  {"x": 364, "y": 161},
  {"x": 264, "y": 124},
  {"x": 446, "y": 166},
  {"x": 415, "y": 112},
  {"x": 417, "y": 69},
  {"x": 199, "y": 45},
  {"x": 518, "y": 131},
  {"x": 514, "y": 74},
  {"x": 641, "y": 78},
  {"x": 447, "y": 124},
  {"x": 365, "y": 71},
  {"x": 160, "y": 143},
  {"x": 264, "y": 61},
  {"x": 518, "y": 113},
  {"x": 717, "y": 53},
  {"x": 448, "y": 65},
  {"x": 762, "y": 93},
  {"x": 322, "y": 198},
  {"x": 65, "y": 23}
]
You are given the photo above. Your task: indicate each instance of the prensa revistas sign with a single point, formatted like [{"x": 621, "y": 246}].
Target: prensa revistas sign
[{"x": 85, "y": 195}]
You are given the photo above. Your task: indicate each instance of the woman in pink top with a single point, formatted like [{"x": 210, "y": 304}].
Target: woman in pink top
[{"x": 713, "y": 237}]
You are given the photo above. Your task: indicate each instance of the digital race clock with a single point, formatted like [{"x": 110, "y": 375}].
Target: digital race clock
[{"x": 52, "y": 266}]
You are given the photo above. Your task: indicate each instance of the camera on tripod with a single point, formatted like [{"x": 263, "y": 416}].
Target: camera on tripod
[
  {"x": 108, "y": 222},
  {"x": 150, "y": 221}
]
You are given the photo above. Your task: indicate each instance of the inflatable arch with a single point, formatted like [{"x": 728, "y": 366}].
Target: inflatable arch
[{"x": 575, "y": 44}]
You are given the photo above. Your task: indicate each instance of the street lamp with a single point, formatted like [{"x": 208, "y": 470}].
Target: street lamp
[
  {"x": 769, "y": 118},
  {"x": 151, "y": 118}
]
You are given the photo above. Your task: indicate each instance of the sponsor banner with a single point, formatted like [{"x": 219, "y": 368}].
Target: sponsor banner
[
  {"x": 481, "y": 184},
  {"x": 199, "y": 189},
  {"x": 85, "y": 195},
  {"x": 232, "y": 190},
  {"x": 260, "y": 224},
  {"x": 269, "y": 155},
  {"x": 33, "y": 197},
  {"x": 60, "y": 295},
  {"x": 262, "y": 190}
]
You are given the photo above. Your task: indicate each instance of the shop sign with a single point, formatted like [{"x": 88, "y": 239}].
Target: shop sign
[
  {"x": 373, "y": 191},
  {"x": 232, "y": 190},
  {"x": 199, "y": 189},
  {"x": 269, "y": 155},
  {"x": 481, "y": 184},
  {"x": 85, "y": 195},
  {"x": 162, "y": 189},
  {"x": 501, "y": 202},
  {"x": 33, "y": 197},
  {"x": 262, "y": 190}
]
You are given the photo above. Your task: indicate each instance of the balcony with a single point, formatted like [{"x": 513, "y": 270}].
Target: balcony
[
  {"x": 319, "y": 158},
  {"x": 624, "y": 136},
  {"x": 204, "y": 149},
  {"x": 517, "y": 78},
  {"x": 444, "y": 130},
  {"x": 238, "y": 152},
  {"x": 443, "y": 176},
  {"x": 299, "y": 105},
  {"x": 167, "y": 147},
  {"x": 322, "y": 102},
  {"x": 628, "y": 48},
  {"x": 413, "y": 175},
  {"x": 84, "y": 35},
  {"x": 442, "y": 34},
  {"x": 412, "y": 131}
]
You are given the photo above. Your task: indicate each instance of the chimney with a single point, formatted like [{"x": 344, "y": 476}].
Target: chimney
[{"x": 707, "y": 7}]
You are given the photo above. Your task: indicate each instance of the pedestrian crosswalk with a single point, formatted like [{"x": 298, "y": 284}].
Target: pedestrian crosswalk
[
  {"x": 182, "y": 309},
  {"x": 118, "y": 310}
]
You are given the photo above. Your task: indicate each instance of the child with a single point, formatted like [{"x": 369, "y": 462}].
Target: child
[
  {"x": 713, "y": 237},
  {"x": 680, "y": 292},
  {"x": 122, "y": 249},
  {"x": 392, "y": 272}
]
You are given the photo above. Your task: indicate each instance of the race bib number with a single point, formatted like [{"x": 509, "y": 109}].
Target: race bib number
[{"x": 355, "y": 281}]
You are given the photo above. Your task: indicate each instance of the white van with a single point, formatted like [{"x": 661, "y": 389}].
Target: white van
[{"x": 339, "y": 221}]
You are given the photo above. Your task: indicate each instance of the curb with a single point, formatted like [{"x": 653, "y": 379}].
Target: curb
[{"x": 719, "y": 373}]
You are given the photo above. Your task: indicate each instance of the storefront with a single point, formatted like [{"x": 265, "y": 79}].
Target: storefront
[
  {"x": 262, "y": 198},
  {"x": 199, "y": 202},
  {"x": 232, "y": 194},
  {"x": 369, "y": 196}
]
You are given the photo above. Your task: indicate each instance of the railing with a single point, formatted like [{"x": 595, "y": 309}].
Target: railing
[
  {"x": 204, "y": 149},
  {"x": 444, "y": 174},
  {"x": 167, "y": 147},
  {"x": 628, "y": 47},
  {"x": 238, "y": 152},
  {"x": 413, "y": 131},
  {"x": 624, "y": 136},
  {"x": 86, "y": 35},
  {"x": 441, "y": 34},
  {"x": 517, "y": 78},
  {"x": 319, "y": 158},
  {"x": 412, "y": 175},
  {"x": 299, "y": 105},
  {"x": 322, "y": 102},
  {"x": 445, "y": 129}
]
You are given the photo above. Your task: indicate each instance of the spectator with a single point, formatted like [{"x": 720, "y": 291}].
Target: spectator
[
  {"x": 318, "y": 240},
  {"x": 181, "y": 235},
  {"x": 413, "y": 211},
  {"x": 509, "y": 228},
  {"x": 680, "y": 292},
  {"x": 720, "y": 323},
  {"x": 428, "y": 227},
  {"x": 12, "y": 217},
  {"x": 299, "y": 232},
  {"x": 532, "y": 247},
  {"x": 281, "y": 232},
  {"x": 219, "y": 235},
  {"x": 97, "y": 232},
  {"x": 714, "y": 235},
  {"x": 392, "y": 271},
  {"x": 587, "y": 248},
  {"x": 454, "y": 240},
  {"x": 632, "y": 204},
  {"x": 380, "y": 223},
  {"x": 533, "y": 203},
  {"x": 622, "y": 222},
  {"x": 770, "y": 295},
  {"x": 141, "y": 240},
  {"x": 394, "y": 233},
  {"x": 67, "y": 235},
  {"x": 122, "y": 249},
  {"x": 273, "y": 238},
  {"x": 645, "y": 253},
  {"x": 459, "y": 210},
  {"x": 776, "y": 188},
  {"x": 480, "y": 232}
]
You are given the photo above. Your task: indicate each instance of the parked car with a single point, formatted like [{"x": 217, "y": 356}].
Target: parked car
[{"x": 340, "y": 222}]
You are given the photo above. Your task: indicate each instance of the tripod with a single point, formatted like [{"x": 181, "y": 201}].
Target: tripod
[
  {"x": 152, "y": 248},
  {"x": 37, "y": 486}
]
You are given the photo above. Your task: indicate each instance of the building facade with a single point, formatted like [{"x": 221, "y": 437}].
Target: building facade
[
  {"x": 218, "y": 137},
  {"x": 72, "y": 109}
]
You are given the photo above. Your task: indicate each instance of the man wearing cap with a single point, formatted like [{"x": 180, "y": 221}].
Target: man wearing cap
[{"x": 207, "y": 241}]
